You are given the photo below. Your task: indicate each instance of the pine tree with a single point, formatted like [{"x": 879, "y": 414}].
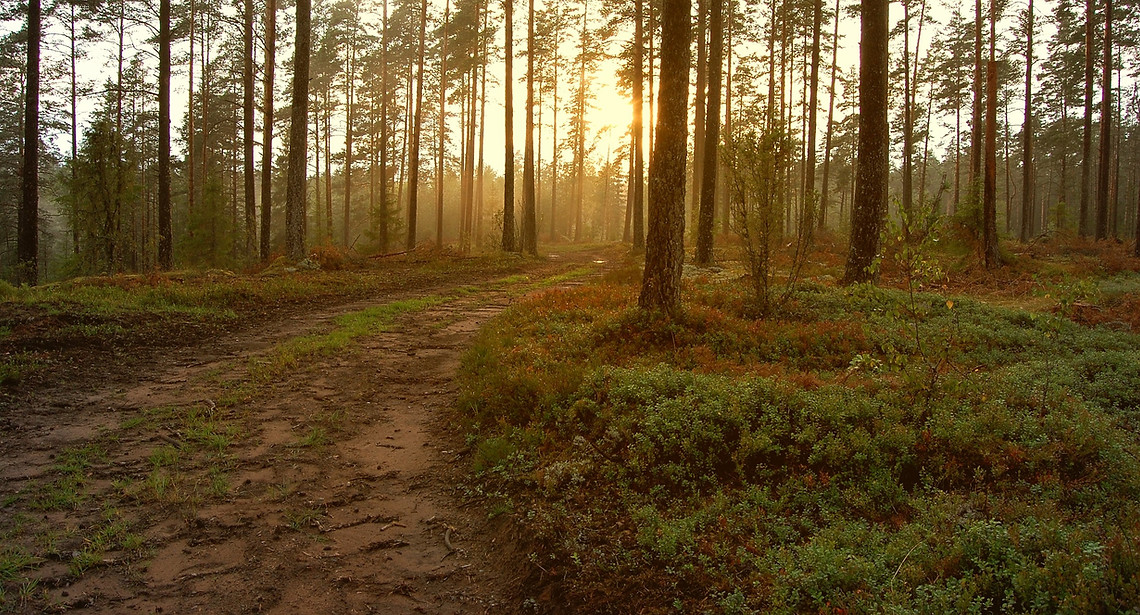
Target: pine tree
[{"x": 665, "y": 252}]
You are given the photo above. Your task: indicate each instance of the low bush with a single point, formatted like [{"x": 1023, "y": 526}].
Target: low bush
[{"x": 862, "y": 451}]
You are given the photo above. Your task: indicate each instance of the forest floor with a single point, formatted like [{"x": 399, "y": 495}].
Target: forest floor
[{"x": 292, "y": 461}]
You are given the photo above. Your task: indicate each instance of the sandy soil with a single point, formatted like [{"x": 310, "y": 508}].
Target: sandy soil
[{"x": 347, "y": 493}]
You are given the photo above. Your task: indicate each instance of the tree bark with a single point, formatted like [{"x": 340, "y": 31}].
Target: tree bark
[
  {"x": 165, "y": 231},
  {"x": 870, "y": 201},
  {"x": 27, "y": 236},
  {"x": 699, "y": 98},
  {"x": 383, "y": 148},
  {"x": 665, "y": 250},
  {"x": 1105, "y": 168},
  {"x": 267, "y": 127},
  {"x": 509, "y": 130},
  {"x": 1027, "y": 134},
  {"x": 813, "y": 105},
  {"x": 298, "y": 136},
  {"x": 704, "y": 249},
  {"x": 439, "y": 171},
  {"x": 1086, "y": 141},
  {"x": 638, "y": 159},
  {"x": 989, "y": 195},
  {"x": 417, "y": 131},
  {"x": 830, "y": 117},
  {"x": 349, "y": 122},
  {"x": 529, "y": 241},
  {"x": 247, "y": 128}
]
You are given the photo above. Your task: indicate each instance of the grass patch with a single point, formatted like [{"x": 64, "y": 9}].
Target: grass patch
[{"x": 863, "y": 451}]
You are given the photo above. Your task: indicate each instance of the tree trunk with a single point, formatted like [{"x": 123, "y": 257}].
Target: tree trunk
[
  {"x": 907, "y": 200},
  {"x": 813, "y": 105},
  {"x": 509, "y": 130},
  {"x": 298, "y": 136},
  {"x": 1027, "y": 134},
  {"x": 247, "y": 129},
  {"x": 976, "y": 127},
  {"x": 989, "y": 195},
  {"x": 442, "y": 124},
  {"x": 665, "y": 250},
  {"x": 699, "y": 98},
  {"x": 830, "y": 117},
  {"x": 870, "y": 201},
  {"x": 349, "y": 118},
  {"x": 1105, "y": 168},
  {"x": 190, "y": 168},
  {"x": 581, "y": 151},
  {"x": 417, "y": 131},
  {"x": 529, "y": 241},
  {"x": 383, "y": 153},
  {"x": 554, "y": 148},
  {"x": 704, "y": 249},
  {"x": 1086, "y": 142},
  {"x": 165, "y": 231},
  {"x": 638, "y": 183},
  {"x": 27, "y": 237},
  {"x": 267, "y": 127},
  {"x": 482, "y": 128}
]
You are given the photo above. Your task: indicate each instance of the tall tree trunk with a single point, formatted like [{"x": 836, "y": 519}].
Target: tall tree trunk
[
  {"x": 722, "y": 188},
  {"x": 247, "y": 129},
  {"x": 1105, "y": 168},
  {"x": 638, "y": 159},
  {"x": 908, "y": 124},
  {"x": 165, "y": 231},
  {"x": 417, "y": 131},
  {"x": 977, "y": 121},
  {"x": 665, "y": 250},
  {"x": 509, "y": 130},
  {"x": 27, "y": 236},
  {"x": 989, "y": 195},
  {"x": 1086, "y": 142},
  {"x": 580, "y": 155},
  {"x": 703, "y": 254},
  {"x": 1027, "y": 134},
  {"x": 317, "y": 210},
  {"x": 870, "y": 201},
  {"x": 349, "y": 118},
  {"x": 74, "y": 205},
  {"x": 267, "y": 127},
  {"x": 298, "y": 136},
  {"x": 529, "y": 240},
  {"x": 190, "y": 157},
  {"x": 830, "y": 117},
  {"x": 699, "y": 98},
  {"x": 439, "y": 171},
  {"x": 383, "y": 153},
  {"x": 813, "y": 106},
  {"x": 479, "y": 198},
  {"x": 554, "y": 153},
  {"x": 328, "y": 163}
]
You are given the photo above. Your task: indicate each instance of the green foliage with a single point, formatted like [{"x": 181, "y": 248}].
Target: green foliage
[{"x": 717, "y": 460}]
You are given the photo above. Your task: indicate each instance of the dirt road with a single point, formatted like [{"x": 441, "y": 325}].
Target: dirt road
[{"x": 334, "y": 487}]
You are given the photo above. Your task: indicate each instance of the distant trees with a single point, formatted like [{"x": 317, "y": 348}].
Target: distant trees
[{"x": 181, "y": 187}]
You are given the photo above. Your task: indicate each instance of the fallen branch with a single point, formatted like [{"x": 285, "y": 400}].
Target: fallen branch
[{"x": 390, "y": 254}]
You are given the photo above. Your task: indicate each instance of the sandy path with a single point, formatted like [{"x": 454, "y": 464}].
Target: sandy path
[{"x": 372, "y": 517}]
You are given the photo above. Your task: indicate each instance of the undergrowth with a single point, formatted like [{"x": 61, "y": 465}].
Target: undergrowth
[{"x": 862, "y": 451}]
